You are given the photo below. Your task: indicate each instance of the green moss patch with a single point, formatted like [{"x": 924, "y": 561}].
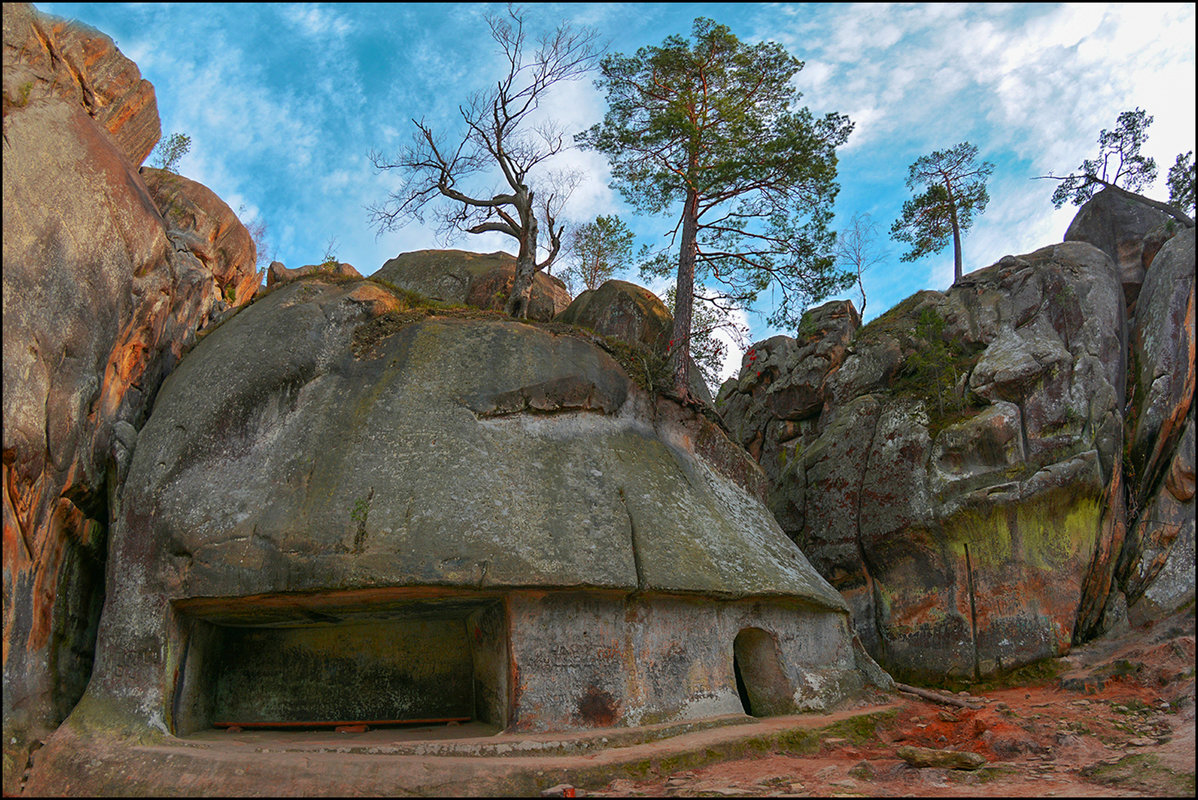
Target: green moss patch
[{"x": 1141, "y": 772}]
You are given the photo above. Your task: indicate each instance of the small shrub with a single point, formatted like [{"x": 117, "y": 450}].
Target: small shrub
[{"x": 167, "y": 154}]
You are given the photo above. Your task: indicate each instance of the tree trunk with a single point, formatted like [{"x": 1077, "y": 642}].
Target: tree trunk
[
  {"x": 526, "y": 265},
  {"x": 952, "y": 210},
  {"x": 684, "y": 294}
]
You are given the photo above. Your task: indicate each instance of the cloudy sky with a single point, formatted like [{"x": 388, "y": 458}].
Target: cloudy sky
[{"x": 285, "y": 102}]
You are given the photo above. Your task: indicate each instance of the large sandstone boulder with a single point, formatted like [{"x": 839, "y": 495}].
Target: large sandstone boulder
[
  {"x": 525, "y": 525},
  {"x": 279, "y": 273},
  {"x": 201, "y": 223},
  {"x": 1123, "y": 229},
  {"x": 1160, "y": 422},
  {"x": 954, "y": 467},
  {"x": 634, "y": 315},
  {"x": 101, "y": 299},
  {"x": 623, "y": 311},
  {"x": 480, "y": 279}
]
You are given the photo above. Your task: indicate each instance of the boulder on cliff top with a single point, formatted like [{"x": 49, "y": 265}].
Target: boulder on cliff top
[
  {"x": 278, "y": 273},
  {"x": 634, "y": 315},
  {"x": 1119, "y": 226},
  {"x": 623, "y": 311},
  {"x": 479, "y": 279}
]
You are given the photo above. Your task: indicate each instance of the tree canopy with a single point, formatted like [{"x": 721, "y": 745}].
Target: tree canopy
[
  {"x": 594, "y": 250},
  {"x": 169, "y": 151},
  {"x": 954, "y": 190},
  {"x": 1181, "y": 182},
  {"x": 1121, "y": 168},
  {"x": 501, "y": 134},
  {"x": 1119, "y": 162},
  {"x": 712, "y": 124}
]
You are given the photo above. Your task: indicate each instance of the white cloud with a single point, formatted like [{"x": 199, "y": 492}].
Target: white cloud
[{"x": 318, "y": 21}]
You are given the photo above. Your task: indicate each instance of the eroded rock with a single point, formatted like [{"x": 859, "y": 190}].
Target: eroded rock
[
  {"x": 960, "y": 504},
  {"x": 634, "y": 315},
  {"x": 488, "y": 495},
  {"x": 479, "y": 279},
  {"x": 47, "y": 56},
  {"x": 98, "y": 306},
  {"x": 1118, "y": 226},
  {"x": 278, "y": 273}
]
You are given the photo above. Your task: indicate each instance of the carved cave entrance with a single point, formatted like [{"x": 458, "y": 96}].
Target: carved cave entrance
[
  {"x": 287, "y": 663},
  {"x": 761, "y": 682}
]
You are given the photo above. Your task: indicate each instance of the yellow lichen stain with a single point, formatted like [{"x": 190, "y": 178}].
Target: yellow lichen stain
[{"x": 1044, "y": 532}]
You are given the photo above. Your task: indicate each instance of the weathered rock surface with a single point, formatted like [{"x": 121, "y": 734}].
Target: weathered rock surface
[
  {"x": 623, "y": 311},
  {"x": 202, "y": 224},
  {"x": 491, "y": 289},
  {"x": 1161, "y": 381},
  {"x": 966, "y": 514},
  {"x": 479, "y": 279},
  {"x": 46, "y": 56},
  {"x": 634, "y": 315},
  {"x": 1157, "y": 563},
  {"x": 99, "y": 305},
  {"x": 278, "y": 273},
  {"x": 371, "y": 456},
  {"x": 1120, "y": 227},
  {"x": 1002, "y": 527}
]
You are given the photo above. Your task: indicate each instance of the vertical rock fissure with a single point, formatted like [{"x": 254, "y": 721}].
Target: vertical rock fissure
[
  {"x": 1027, "y": 453},
  {"x": 973, "y": 615},
  {"x": 180, "y": 677},
  {"x": 17, "y": 514},
  {"x": 636, "y": 552},
  {"x": 874, "y": 595}
]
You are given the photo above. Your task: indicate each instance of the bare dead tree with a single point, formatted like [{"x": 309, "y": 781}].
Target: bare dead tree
[
  {"x": 855, "y": 249},
  {"x": 501, "y": 140}
]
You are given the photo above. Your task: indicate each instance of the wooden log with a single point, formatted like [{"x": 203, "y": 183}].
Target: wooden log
[
  {"x": 936, "y": 697},
  {"x": 375, "y": 723}
]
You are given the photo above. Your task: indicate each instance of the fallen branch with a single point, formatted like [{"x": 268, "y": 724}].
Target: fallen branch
[{"x": 936, "y": 697}]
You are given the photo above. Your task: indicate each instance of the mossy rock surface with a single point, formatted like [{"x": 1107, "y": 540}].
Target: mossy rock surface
[{"x": 950, "y": 466}]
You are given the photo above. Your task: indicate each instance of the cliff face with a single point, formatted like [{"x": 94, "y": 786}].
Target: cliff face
[
  {"x": 990, "y": 473},
  {"x": 102, "y": 295}
]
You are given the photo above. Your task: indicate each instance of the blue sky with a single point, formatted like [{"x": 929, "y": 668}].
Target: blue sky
[{"x": 284, "y": 103}]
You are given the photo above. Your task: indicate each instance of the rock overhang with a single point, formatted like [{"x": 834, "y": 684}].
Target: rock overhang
[
  {"x": 470, "y": 516},
  {"x": 472, "y": 453}
]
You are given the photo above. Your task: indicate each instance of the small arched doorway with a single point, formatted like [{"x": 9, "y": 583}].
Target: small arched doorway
[{"x": 761, "y": 682}]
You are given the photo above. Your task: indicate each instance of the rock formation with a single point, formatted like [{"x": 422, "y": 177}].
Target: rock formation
[
  {"x": 634, "y": 315},
  {"x": 967, "y": 467},
  {"x": 46, "y": 57},
  {"x": 1124, "y": 230},
  {"x": 481, "y": 280},
  {"x": 278, "y": 273},
  {"x": 538, "y": 541},
  {"x": 101, "y": 298}
]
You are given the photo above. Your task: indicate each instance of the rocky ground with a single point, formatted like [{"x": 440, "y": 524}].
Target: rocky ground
[{"x": 1113, "y": 719}]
